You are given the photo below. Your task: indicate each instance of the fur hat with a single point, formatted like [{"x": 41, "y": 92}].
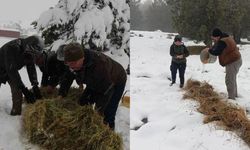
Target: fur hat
[
  {"x": 34, "y": 45},
  {"x": 73, "y": 52}
]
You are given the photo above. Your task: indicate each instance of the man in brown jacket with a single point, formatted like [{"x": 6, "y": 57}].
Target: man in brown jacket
[
  {"x": 105, "y": 79},
  {"x": 229, "y": 56}
]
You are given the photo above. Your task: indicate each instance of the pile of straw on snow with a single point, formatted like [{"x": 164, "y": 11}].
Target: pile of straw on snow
[
  {"x": 63, "y": 124},
  {"x": 228, "y": 115}
]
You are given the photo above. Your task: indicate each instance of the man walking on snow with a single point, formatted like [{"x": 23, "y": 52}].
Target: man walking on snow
[{"x": 229, "y": 56}]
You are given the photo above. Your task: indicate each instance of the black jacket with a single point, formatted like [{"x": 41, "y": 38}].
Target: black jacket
[
  {"x": 12, "y": 59},
  {"x": 52, "y": 70},
  {"x": 179, "y": 50}
]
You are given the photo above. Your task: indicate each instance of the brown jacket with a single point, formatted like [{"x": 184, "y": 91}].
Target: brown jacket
[
  {"x": 230, "y": 53},
  {"x": 101, "y": 74}
]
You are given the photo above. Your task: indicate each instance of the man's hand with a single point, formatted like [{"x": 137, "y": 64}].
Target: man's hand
[
  {"x": 29, "y": 96},
  {"x": 85, "y": 100},
  {"x": 179, "y": 56},
  {"x": 50, "y": 89},
  {"x": 36, "y": 92},
  {"x": 81, "y": 87}
]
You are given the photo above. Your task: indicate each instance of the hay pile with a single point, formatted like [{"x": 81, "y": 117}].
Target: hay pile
[
  {"x": 229, "y": 116},
  {"x": 64, "y": 125}
]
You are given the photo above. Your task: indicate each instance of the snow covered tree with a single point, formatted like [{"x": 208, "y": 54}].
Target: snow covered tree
[{"x": 97, "y": 24}]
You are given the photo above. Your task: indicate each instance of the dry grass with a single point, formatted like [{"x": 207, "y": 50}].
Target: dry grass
[
  {"x": 195, "y": 50},
  {"x": 64, "y": 125},
  {"x": 227, "y": 115},
  {"x": 126, "y": 101}
]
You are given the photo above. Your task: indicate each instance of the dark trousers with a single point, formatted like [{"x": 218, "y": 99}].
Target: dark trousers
[
  {"x": 181, "y": 67},
  {"x": 17, "y": 98},
  {"x": 110, "y": 111}
]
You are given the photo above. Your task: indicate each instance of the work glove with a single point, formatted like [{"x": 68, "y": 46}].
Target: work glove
[
  {"x": 29, "y": 96},
  {"x": 80, "y": 87},
  {"x": 86, "y": 98},
  {"x": 85, "y": 101},
  {"x": 50, "y": 89},
  {"x": 36, "y": 92}
]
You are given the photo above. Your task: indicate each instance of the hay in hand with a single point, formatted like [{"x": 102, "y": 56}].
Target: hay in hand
[
  {"x": 63, "y": 124},
  {"x": 126, "y": 101},
  {"x": 230, "y": 116},
  {"x": 195, "y": 50}
]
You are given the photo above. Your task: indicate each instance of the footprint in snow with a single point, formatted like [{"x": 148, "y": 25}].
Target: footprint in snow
[{"x": 144, "y": 120}]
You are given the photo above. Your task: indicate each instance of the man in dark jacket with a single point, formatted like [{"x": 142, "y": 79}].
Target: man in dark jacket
[
  {"x": 105, "y": 79},
  {"x": 229, "y": 56},
  {"x": 13, "y": 56},
  {"x": 179, "y": 52},
  {"x": 54, "y": 71}
]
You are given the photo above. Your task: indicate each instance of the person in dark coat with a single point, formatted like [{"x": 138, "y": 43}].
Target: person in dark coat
[
  {"x": 179, "y": 52},
  {"x": 54, "y": 70},
  {"x": 14, "y": 55},
  {"x": 229, "y": 57},
  {"x": 105, "y": 79}
]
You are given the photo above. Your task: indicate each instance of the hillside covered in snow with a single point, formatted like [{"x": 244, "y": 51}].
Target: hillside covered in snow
[{"x": 161, "y": 119}]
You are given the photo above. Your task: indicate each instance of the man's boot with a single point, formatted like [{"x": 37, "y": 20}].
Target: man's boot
[{"x": 171, "y": 84}]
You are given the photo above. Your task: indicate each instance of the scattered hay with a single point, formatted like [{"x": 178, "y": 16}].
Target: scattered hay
[
  {"x": 63, "y": 124},
  {"x": 73, "y": 94},
  {"x": 126, "y": 101},
  {"x": 225, "y": 114},
  {"x": 195, "y": 50}
]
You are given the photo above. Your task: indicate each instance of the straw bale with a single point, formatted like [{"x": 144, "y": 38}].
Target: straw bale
[{"x": 64, "y": 125}]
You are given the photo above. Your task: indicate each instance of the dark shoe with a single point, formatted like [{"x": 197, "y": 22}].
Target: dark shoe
[
  {"x": 112, "y": 126},
  {"x": 181, "y": 85},
  {"x": 15, "y": 112},
  {"x": 231, "y": 98},
  {"x": 171, "y": 83}
]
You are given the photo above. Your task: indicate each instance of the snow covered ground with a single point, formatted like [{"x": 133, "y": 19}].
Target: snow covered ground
[
  {"x": 160, "y": 118},
  {"x": 10, "y": 135}
]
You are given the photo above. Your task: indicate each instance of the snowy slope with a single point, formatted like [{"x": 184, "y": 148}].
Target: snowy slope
[
  {"x": 10, "y": 135},
  {"x": 160, "y": 118}
]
